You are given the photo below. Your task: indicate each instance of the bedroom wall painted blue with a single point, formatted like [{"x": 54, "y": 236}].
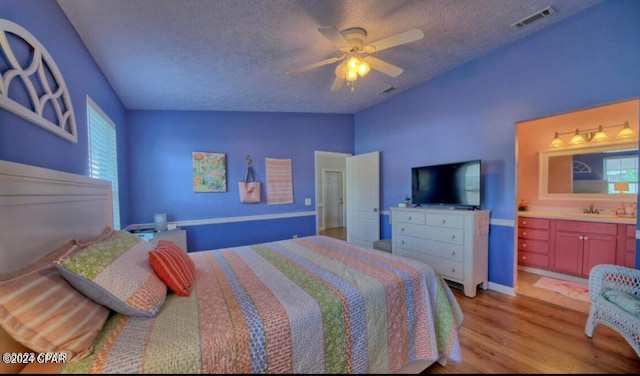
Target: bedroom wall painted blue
[
  {"x": 470, "y": 112},
  {"x": 24, "y": 142},
  {"x": 160, "y": 167}
]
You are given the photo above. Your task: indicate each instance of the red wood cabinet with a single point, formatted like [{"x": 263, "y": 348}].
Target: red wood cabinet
[
  {"x": 533, "y": 242},
  {"x": 627, "y": 247},
  {"x": 574, "y": 247}
]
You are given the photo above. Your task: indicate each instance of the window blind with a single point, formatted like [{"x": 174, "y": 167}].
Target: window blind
[{"x": 103, "y": 153}]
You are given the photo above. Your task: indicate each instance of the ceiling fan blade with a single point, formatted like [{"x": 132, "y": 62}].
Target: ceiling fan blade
[
  {"x": 335, "y": 36},
  {"x": 337, "y": 83},
  {"x": 384, "y": 67},
  {"x": 315, "y": 65},
  {"x": 411, "y": 35}
]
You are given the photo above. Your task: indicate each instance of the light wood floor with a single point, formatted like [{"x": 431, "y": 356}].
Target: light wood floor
[
  {"x": 526, "y": 288},
  {"x": 506, "y": 334},
  {"x": 336, "y": 232}
]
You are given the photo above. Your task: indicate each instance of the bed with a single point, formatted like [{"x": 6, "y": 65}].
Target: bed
[{"x": 307, "y": 305}]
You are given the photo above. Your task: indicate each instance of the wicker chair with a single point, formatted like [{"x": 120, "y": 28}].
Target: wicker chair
[{"x": 614, "y": 292}]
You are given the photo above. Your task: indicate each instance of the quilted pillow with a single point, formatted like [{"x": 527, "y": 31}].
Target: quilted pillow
[
  {"x": 174, "y": 266},
  {"x": 115, "y": 272},
  {"x": 39, "y": 309}
]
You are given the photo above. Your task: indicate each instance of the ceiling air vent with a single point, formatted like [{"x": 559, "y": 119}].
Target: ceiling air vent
[
  {"x": 534, "y": 17},
  {"x": 387, "y": 90}
]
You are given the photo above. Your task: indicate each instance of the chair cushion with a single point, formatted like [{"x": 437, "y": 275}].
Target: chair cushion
[{"x": 626, "y": 301}]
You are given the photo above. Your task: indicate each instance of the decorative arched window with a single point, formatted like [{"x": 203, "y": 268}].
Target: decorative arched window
[{"x": 31, "y": 85}]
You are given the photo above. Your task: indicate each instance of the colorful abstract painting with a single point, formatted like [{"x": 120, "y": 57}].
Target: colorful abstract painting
[{"x": 209, "y": 172}]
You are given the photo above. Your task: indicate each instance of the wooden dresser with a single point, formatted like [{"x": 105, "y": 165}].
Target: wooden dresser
[{"x": 454, "y": 242}]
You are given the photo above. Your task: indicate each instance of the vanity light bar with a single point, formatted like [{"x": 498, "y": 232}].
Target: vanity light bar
[{"x": 596, "y": 134}]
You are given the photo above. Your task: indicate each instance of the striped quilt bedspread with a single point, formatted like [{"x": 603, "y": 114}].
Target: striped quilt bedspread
[{"x": 307, "y": 305}]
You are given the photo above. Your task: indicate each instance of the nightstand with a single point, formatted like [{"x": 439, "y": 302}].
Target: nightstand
[{"x": 177, "y": 236}]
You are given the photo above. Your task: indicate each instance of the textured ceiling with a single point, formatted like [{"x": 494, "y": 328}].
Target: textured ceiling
[{"x": 233, "y": 55}]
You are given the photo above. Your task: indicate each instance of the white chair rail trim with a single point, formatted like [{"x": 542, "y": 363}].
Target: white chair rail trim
[{"x": 42, "y": 93}]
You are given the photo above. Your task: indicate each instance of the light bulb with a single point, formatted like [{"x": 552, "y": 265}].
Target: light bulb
[
  {"x": 556, "y": 141},
  {"x": 577, "y": 138}
]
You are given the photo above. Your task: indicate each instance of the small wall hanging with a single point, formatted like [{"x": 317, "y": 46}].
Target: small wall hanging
[
  {"x": 209, "y": 172},
  {"x": 32, "y": 86},
  {"x": 249, "y": 189},
  {"x": 279, "y": 181}
]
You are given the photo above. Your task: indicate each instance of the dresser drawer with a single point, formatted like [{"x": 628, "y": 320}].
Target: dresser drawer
[
  {"x": 531, "y": 233},
  {"x": 537, "y": 246},
  {"x": 430, "y": 247},
  {"x": 447, "y": 268},
  {"x": 445, "y": 220},
  {"x": 631, "y": 231},
  {"x": 411, "y": 217},
  {"x": 533, "y": 259},
  {"x": 540, "y": 223},
  {"x": 447, "y": 235}
]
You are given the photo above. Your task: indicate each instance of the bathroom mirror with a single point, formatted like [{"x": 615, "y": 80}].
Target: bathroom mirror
[{"x": 591, "y": 172}]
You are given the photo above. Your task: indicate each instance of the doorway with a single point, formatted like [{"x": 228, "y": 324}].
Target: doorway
[{"x": 333, "y": 198}]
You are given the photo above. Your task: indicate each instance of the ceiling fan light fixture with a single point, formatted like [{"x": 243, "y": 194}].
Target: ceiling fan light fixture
[
  {"x": 341, "y": 70},
  {"x": 364, "y": 68},
  {"x": 353, "y": 64}
]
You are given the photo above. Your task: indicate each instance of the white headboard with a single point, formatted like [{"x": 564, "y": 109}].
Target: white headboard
[{"x": 41, "y": 208}]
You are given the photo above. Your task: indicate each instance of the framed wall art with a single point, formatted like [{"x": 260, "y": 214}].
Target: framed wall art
[{"x": 209, "y": 171}]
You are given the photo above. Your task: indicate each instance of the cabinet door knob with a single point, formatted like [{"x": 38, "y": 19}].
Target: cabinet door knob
[
  {"x": 580, "y": 237},
  {"x": 585, "y": 237}
]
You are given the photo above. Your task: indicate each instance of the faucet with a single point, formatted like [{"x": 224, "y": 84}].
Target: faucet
[{"x": 591, "y": 210}]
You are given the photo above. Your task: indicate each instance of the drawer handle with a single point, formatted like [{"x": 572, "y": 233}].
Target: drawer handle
[
  {"x": 524, "y": 233},
  {"x": 402, "y": 229},
  {"x": 410, "y": 218},
  {"x": 402, "y": 241},
  {"x": 452, "y": 236},
  {"x": 453, "y": 253},
  {"x": 524, "y": 245},
  {"x": 524, "y": 257},
  {"x": 524, "y": 222},
  {"x": 444, "y": 221},
  {"x": 453, "y": 270}
]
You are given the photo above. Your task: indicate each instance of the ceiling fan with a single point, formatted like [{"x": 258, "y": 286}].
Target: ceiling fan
[{"x": 355, "y": 53}]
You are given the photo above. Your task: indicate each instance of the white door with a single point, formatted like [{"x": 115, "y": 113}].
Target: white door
[
  {"x": 333, "y": 201},
  {"x": 363, "y": 195}
]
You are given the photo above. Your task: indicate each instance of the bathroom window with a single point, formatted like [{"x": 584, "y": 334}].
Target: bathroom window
[{"x": 624, "y": 170}]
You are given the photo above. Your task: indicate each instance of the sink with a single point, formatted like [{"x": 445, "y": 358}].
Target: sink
[{"x": 589, "y": 215}]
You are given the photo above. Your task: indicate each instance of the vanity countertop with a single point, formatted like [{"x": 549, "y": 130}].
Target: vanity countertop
[{"x": 609, "y": 218}]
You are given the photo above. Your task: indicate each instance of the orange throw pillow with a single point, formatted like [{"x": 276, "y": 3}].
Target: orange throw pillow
[{"x": 174, "y": 266}]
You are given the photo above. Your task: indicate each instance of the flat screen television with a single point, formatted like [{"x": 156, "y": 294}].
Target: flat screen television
[{"x": 453, "y": 185}]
